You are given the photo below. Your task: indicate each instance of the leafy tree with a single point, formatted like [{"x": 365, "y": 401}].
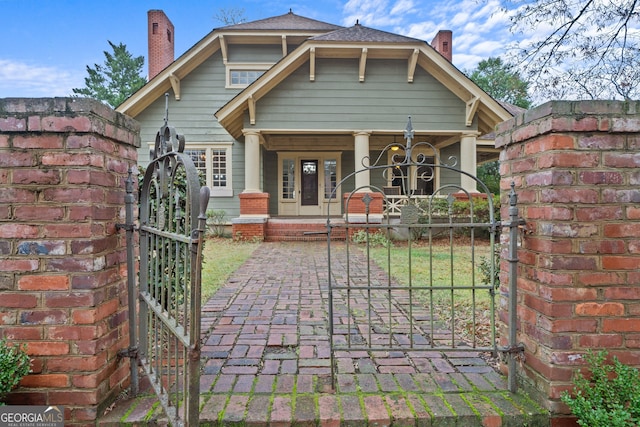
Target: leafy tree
[
  {"x": 489, "y": 173},
  {"x": 502, "y": 82},
  {"x": 579, "y": 48},
  {"x": 115, "y": 80}
]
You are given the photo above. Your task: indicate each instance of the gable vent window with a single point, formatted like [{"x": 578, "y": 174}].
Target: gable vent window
[{"x": 244, "y": 77}]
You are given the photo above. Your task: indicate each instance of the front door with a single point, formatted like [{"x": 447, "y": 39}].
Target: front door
[
  {"x": 309, "y": 196},
  {"x": 306, "y": 183}
]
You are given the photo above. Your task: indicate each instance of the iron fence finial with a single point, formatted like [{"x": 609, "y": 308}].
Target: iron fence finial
[{"x": 408, "y": 133}]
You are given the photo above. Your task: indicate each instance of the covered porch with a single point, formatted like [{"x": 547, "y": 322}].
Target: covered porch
[{"x": 308, "y": 174}]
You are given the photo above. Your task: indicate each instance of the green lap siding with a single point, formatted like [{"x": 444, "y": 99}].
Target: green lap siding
[{"x": 337, "y": 100}]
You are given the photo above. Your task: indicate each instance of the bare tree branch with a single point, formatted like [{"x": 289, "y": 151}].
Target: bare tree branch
[{"x": 588, "y": 48}]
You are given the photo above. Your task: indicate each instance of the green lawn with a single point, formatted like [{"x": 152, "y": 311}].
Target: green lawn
[
  {"x": 221, "y": 257},
  {"x": 440, "y": 264}
]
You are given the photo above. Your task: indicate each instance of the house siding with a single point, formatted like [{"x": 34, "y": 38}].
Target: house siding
[
  {"x": 270, "y": 185},
  {"x": 203, "y": 92},
  {"x": 449, "y": 177},
  {"x": 337, "y": 100},
  {"x": 254, "y": 54}
]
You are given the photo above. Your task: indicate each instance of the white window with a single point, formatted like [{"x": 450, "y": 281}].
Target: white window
[
  {"x": 288, "y": 179},
  {"x": 215, "y": 162},
  {"x": 242, "y": 75},
  {"x": 330, "y": 178}
]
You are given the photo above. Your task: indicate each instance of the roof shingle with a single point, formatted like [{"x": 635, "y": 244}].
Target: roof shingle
[
  {"x": 288, "y": 21},
  {"x": 360, "y": 33}
]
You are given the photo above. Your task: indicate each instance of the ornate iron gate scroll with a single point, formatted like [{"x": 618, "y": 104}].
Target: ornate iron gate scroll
[
  {"x": 172, "y": 226},
  {"x": 369, "y": 309}
]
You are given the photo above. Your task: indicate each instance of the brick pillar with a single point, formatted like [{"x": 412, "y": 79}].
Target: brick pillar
[
  {"x": 63, "y": 163},
  {"x": 254, "y": 214},
  {"x": 356, "y": 209},
  {"x": 575, "y": 166}
]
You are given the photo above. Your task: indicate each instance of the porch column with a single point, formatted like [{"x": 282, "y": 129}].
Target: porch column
[
  {"x": 468, "y": 161},
  {"x": 254, "y": 204},
  {"x": 251, "y": 162},
  {"x": 361, "y": 155}
]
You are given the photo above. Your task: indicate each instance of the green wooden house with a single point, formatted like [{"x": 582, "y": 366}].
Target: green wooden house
[{"x": 277, "y": 111}]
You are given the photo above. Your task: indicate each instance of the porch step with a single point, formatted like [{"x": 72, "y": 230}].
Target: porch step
[{"x": 300, "y": 229}]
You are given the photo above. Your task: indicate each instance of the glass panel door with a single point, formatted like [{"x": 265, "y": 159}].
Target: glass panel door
[{"x": 309, "y": 180}]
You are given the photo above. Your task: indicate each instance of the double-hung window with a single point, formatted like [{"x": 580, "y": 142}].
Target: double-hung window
[{"x": 214, "y": 161}]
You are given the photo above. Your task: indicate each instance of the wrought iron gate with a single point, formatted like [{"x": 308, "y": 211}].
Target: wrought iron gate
[
  {"x": 370, "y": 309},
  {"x": 172, "y": 225}
]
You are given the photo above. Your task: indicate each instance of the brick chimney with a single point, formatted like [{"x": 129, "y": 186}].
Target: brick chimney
[
  {"x": 161, "y": 42},
  {"x": 442, "y": 42}
]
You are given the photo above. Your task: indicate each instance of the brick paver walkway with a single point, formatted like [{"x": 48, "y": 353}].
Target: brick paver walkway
[{"x": 266, "y": 362}]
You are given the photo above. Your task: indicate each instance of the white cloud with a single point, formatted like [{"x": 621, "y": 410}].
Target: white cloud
[
  {"x": 366, "y": 11},
  {"x": 421, "y": 30},
  {"x": 402, "y": 6},
  {"x": 27, "y": 80}
]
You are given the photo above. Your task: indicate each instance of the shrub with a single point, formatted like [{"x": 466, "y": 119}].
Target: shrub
[
  {"x": 460, "y": 211},
  {"x": 376, "y": 238},
  {"x": 216, "y": 220},
  {"x": 14, "y": 365},
  {"x": 610, "y": 398}
]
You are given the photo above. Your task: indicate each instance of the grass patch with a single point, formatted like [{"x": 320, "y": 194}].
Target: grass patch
[
  {"x": 221, "y": 257},
  {"x": 468, "y": 311}
]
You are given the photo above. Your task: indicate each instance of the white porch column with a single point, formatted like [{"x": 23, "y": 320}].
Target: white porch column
[
  {"x": 251, "y": 162},
  {"x": 361, "y": 155},
  {"x": 468, "y": 161}
]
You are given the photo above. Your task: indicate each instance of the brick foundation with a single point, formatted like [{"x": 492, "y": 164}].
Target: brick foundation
[
  {"x": 254, "y": 211},
  {"x": 63, "y": 163},
  {"x": 355, "y": 205},
  {"x": 575, "y": 168}
]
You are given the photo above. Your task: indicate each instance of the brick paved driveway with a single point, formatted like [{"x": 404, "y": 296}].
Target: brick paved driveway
[{"x": 266, "y": 361}]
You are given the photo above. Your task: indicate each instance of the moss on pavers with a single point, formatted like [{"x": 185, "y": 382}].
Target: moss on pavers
[
  {"x": 399, "y": 400},
  {"x": 141, "y": 410}
]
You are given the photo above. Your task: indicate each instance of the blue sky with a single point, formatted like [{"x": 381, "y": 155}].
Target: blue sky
[{"x": 47, "y": 44}]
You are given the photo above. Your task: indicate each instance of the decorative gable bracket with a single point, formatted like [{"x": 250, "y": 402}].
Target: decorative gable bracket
[
  {"x": 312, "y": 64},
  {"x": 251, "y": 103},
  {"x": 411, "y": 66},
  {"x": 363, "y": 63},
  {"x": 472, "y": 108},
  {"x": 175, "y": 85}
]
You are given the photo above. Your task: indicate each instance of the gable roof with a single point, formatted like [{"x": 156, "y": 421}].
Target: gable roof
[
  {"x": 317, "y": 39},
  {"x": 297, "y": 28},
  {"x": 361, "y": 42},
  {"x": 288, "y": 21},
  {"x": 360, "y": 33}
]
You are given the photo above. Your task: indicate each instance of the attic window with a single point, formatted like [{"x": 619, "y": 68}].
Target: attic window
[
  {"x": 154, "y": 28},
  {"x": 242, "y": 75}
]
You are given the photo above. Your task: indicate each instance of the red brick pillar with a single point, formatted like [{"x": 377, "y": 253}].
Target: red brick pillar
[
  {"x": 254, "y": 213},
  {"x": 576, "y": 167},
  {"x": 63, "y": 165},
  {"x": 357, "y": 210}
]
